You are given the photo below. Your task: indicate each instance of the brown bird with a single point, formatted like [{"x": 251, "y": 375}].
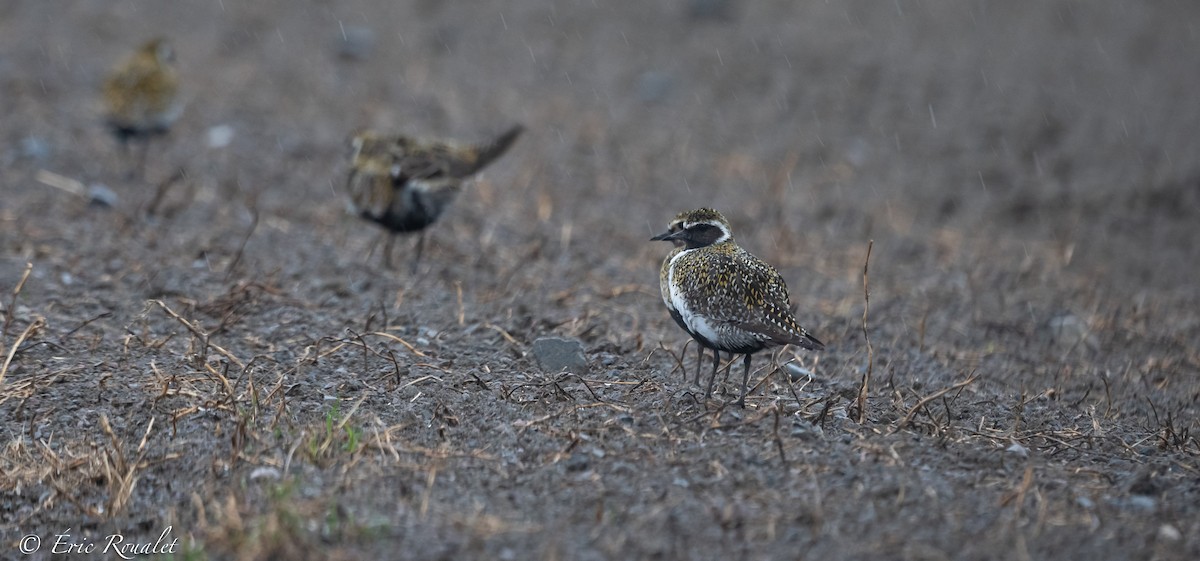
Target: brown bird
[
  {"x": 724, "y": 297},
  {"x": 405, "y": 184},
  {"x": 141, "y": 95}
]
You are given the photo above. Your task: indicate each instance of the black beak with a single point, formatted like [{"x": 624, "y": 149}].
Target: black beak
[{"x": 667, "y": 236}]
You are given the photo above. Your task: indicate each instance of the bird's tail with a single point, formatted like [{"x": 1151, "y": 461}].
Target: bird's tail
[
  {"x": 487, "y": 153},
  {"x": 811, "y": 343}
]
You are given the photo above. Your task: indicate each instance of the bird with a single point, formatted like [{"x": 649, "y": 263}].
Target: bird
[
  {"x": 404, "y": 183},
  {"x": 727, "y": 299},
  {"x": 142, "y": 97}
]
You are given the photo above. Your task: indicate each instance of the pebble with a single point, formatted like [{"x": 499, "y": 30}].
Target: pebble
[
  {"x": 355, "y": 42},
  {"x": 797, "y": 372},
  {"x": 1142, "y": 502},
  {"x": 100, "y": 195},
  {"x": 264, "y": 472},
  {"x": 1016, "y": 448},
  {"x": 1068, "y": 331},
  {"x": 34, "y": 148},
  {"x": 1169, "y": 533},
  {"x": 557, "y": 354},
  {"x": 653, "y": 86},
  {"x": 577, "y": 462},
  {"x": 807, "y": 431},
  {"x": 219, "y": 136}
]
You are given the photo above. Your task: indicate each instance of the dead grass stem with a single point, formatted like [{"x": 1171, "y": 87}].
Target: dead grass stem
[
  {"x": 8, "y": 320},
  {"x": 121, "y": 473},
  {"x": 200, "y": 334},
  {"x": 929, "y": 398},
  {"x": 864, "y": 387}
]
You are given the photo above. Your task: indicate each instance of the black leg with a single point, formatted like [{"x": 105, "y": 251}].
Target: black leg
[
  {"x": 420, "y": 249},
  {"x": 745, "y": 382},
  {"x": 127, "y": 160},
  {"x": 387, "y": 250},
  {"x": 141, "y": 162},
  {"x": 699, "y": 362},
  {"x": 713, "y": 378}
]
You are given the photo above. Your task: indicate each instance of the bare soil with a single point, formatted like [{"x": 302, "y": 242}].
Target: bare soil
[{"x": 239, "y": 366}]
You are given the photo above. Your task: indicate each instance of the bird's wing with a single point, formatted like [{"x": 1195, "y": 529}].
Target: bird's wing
[
  {"x": 435, "y": 159},
  {"x": 782, "y": 334},
  {"x": 764, "y": 291},
  {"x": 422, "y": 162}
]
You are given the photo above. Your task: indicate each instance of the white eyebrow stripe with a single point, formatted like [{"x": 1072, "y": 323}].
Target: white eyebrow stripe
[{"x": 725, "y": 233}]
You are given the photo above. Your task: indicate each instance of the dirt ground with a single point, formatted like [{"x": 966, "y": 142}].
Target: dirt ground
[{"x": 238, "y": 367}]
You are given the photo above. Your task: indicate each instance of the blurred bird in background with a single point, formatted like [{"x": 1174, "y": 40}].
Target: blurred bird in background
[
  {"x": 141, "y": 97},
  {"x": 405, "y": 184}
]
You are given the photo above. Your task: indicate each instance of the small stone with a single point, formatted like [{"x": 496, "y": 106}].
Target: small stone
[
  {"x": 265, "y": 472},
  {"x": 797, "y": 372},
  {"x": 1016, "y": 448},
  {"x": 355, "y": 42},
  {"x": 427, "y": 332},
  {"x": 1145, "y": 482},
  {"x": 1068, "y": 331},
  {"x": 1066, "y": 325},
  {"x": 807, "y": 431},
  {"x": 34, "y": 148},
  {"x": 1142, "y": 502},
  {"x": 220, "y": 136},
  {"x": 1169, "y": 533},
  {"x": 556, "y": 354},
  {"x": 100, "y": 195},
  {"x": 653, "y": 86},
  {"x": 858, "y": 152},
  {"x": 577, "y": 462}
]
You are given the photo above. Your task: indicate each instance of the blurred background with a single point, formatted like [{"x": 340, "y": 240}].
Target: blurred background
[{"x": 1063, "y": 129}]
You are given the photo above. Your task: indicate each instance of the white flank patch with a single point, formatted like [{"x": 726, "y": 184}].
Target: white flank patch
[{"x": 697, "y": 324}]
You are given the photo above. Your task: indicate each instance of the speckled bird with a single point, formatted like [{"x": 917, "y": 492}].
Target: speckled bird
[
  {"x": 141, "y": 95},
  {"x": 405, "y": 184},
  {"x": 723, "y": 296}
]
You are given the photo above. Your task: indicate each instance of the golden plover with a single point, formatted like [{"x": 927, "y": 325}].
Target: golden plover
[
  {"x": 404, "y": 184},
  {"x": 141, "y": 95},
  {"x": 724, "y": 297}
]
